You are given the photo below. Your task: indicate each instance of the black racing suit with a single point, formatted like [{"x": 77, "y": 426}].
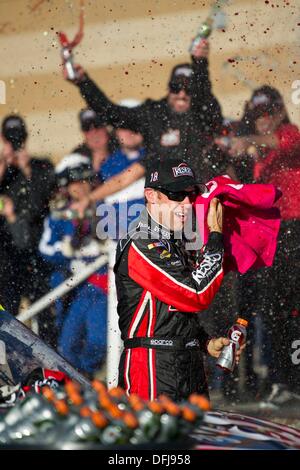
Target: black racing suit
[
  {"x": 166, "y": 133},
  {"x": 158, "y": 295}
]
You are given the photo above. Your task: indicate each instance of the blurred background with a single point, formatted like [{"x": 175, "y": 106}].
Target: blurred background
[{"x": 130, "y": 47}]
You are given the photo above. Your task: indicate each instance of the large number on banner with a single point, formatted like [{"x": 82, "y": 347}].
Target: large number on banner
[
  {"x": 212, "y": 186},
  {"x": 2, "y": 353}
]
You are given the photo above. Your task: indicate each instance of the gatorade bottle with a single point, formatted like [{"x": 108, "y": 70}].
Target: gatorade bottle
[
  {"x": 87, "y": 428},
  {"x": 170, "y": 420},
  {"x": 118, "y": 396},
  {"x": 237, "y": 336},
  {"x": 203, "y": 32},
  {"x": 121, "y": 427},
  {"x": 39, "y": 418}
]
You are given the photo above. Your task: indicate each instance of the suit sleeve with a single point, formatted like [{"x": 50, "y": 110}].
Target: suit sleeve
[
  {"x": 165, "y": 276},
  {"x": 204, "y": 102},
  {"x": 117, "y": 116}
]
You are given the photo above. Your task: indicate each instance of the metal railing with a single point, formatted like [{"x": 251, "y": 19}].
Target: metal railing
[{"x": 114, "y": 343}]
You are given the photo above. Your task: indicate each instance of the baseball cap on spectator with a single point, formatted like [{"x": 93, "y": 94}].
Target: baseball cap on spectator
[
  {"x": 181, "y": 78},
  {"x": 89, "y": 119},
  {"x": 172, "y": 175},
  {"x": 265, "y": 100},
  {"x": 14, "y": 130},
  {"x": 72, "y": 168}
]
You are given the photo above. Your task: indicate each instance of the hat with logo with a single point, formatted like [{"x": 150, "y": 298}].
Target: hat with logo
[
  {"x": 89, "y": 119},
  {"x": 170, "y": 174},
  {"x": 14, "y": 130}
]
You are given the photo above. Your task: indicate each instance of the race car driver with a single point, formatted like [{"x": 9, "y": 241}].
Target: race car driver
[{"x": 159, "y": 292}]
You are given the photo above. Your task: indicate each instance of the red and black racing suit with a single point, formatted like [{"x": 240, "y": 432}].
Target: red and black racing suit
[{"x": 158, "y": 296}]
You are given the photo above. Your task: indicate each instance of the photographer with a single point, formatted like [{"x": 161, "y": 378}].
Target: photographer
[
  {"x": 30, "y": 181},
  {"x": 15, "y": 237},
  {"x": 182, "y": 123}
]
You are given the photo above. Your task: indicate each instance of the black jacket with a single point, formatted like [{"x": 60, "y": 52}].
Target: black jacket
[
  {"x": 158, "y": 295},
  {"x": 22, "y": 268},
  {"x": 32, "y": 196},
  {"x": 167, "y": 133}
]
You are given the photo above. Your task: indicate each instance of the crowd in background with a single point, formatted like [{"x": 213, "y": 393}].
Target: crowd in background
[{"x": 48, "y": 217}]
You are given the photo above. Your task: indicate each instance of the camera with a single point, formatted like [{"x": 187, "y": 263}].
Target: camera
[{"x": 14, "y": 131}]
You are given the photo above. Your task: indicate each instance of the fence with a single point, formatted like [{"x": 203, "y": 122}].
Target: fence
[{"x": 114, "y": 343}]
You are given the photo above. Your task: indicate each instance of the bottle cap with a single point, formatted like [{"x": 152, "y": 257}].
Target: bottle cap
[
  {"x": 61, "y": 407},
  {"x": 201, "y": 401},
  {"x": 188, "y": 414},
  {"x": 99, "y": 386},
  {"x": 85, "y": 412},
  {"x": 243, "y": 322},
  {"x": 130, "y": 420},
  {"x": 117, "y": 392},
  {"x": 105, "y": 401},
  {"x": 115, "y": 412},
  {"x": 135, "y": 402},
  {"x": 170, "y": 407},
  {"x": 99, "y": 419},
  {"x": 71, "y": 387},
  {"x": 48, "y": 393},
  {"x": 75, "y": 398},
  {"x": 155, "y": 407}
]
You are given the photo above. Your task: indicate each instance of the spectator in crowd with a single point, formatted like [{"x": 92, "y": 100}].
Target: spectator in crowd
[
  {"x": 182, "y": 123},
  {"x": 275, "y": 149},
  {"x": 15, "y": 238},
  {"x": 129, "y": 202},
  {"x": 97, "y": 143},
  {"x": 239, "y": 169},
  {"x": 107, "y": 164},
  {"x": 69, "y": 244},
  {"x": 30, "y": 182}
]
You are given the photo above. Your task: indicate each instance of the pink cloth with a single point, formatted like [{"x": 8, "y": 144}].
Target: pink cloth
[{"x": 251, "y": 222}]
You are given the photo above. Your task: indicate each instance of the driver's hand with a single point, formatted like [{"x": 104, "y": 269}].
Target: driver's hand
[
  {"x": 215, "y": 216},
  {"x": 216, "y": 345}
]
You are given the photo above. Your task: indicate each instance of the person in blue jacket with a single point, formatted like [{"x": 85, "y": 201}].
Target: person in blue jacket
[
  {"x": 69, "y": 244},
  {"x": 127, "y": 204}
]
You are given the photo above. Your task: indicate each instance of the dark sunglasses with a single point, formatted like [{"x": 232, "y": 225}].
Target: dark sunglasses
[
  {"x": 177, "y": 87},
  {"x": 86, "y": 127},
  {"x": 179, "y": 196}
]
